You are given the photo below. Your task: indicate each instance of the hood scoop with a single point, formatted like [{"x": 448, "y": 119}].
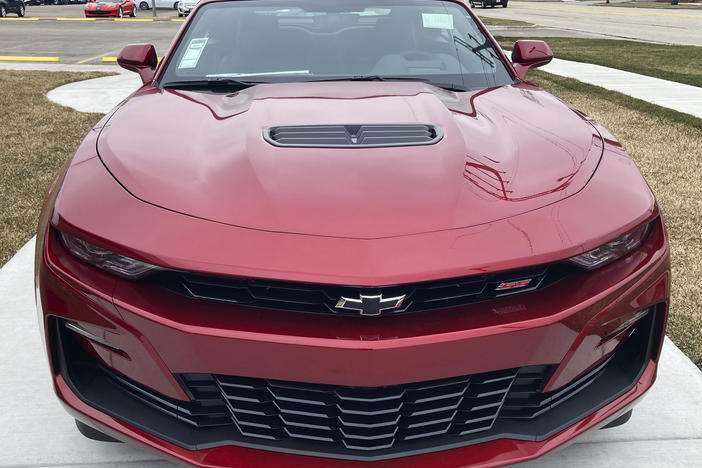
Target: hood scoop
[{"x": 353, "y": 136}]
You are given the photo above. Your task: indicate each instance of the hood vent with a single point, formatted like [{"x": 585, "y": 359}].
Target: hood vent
[{"x": 353, "y": 136}]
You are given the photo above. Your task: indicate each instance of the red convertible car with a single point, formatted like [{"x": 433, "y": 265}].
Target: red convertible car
[
  {"x": 370, "y": 242},
  {"x": 97, "y": 8}
]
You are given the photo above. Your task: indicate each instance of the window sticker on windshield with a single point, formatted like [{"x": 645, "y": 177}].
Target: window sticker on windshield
[
  {"x": 193, "y": 52},
  {"x": 437, "y": 21},
  {"x": 374, "y": 12}
]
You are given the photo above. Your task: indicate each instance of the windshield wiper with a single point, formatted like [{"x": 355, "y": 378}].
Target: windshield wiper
[
  {"x": 212, "y": 83},
  {"x": 230, "y": 83},
  {"x": 448, "y": 86}
]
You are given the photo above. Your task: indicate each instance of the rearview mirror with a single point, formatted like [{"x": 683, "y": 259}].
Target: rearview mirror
[
  {"x": 140, "y": 58},
  {"x": 530, "y": 54}
]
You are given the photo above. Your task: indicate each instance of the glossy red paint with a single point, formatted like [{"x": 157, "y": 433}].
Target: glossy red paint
[
  {"x": 106, "y": 9},
  {"x": 615, "y": 201},
  {"x": 163, "y": 331},
  {"x": 530, "y": 54},
  {"x": 518, "y": 180},
  {"x": 140, "y": 58},
  {"x": 249, "y": 183}
]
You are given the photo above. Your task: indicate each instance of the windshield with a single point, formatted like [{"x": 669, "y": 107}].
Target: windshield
[{"x": 271, "y": 41}]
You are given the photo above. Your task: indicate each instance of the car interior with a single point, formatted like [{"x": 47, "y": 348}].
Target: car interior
[{"x": 388, "y": 42}]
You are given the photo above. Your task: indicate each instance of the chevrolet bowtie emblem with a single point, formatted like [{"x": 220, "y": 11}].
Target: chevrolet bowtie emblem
[{"x": 370, "y": 305}]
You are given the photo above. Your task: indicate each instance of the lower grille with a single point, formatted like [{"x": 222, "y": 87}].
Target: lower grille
[
  {"x": 363, "y": 418},
  {"x": 359, "y": 423}
]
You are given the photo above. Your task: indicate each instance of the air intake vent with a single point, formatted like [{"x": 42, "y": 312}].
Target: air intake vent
[{"x": 353, "y": 136}]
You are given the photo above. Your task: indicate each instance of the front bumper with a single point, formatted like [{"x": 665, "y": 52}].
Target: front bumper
[
  {"x": 101, "y": 13},
  {"x": 162, "y": 335}
]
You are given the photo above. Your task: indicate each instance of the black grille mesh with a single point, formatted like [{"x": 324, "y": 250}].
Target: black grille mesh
[
  {"x": 378, "y": 418},
  {"x": 364, "y": 418},
  {"x": 323, "y": 298},
  {"x": 353, "y": 136}
]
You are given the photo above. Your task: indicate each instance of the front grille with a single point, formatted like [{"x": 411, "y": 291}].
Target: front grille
[
  {"x": 324, "y": 298},
  {"x": 358, "y": 423},
  {"x": 371, "y": 419},
  {"x": 353, "y": 136},
  {"x": 524, "y": 403},
  {"x": 359, "y": 418}
]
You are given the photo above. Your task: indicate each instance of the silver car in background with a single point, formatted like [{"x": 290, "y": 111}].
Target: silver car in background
[{"x": 186, "y": 6}]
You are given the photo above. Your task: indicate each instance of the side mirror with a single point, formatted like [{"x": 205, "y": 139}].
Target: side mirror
[
  {"x": 530, "y": 54},
  {"x": 140, "y": 58}
]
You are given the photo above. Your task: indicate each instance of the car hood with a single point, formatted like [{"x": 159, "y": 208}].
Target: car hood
[{"x": 504, "y": 151}]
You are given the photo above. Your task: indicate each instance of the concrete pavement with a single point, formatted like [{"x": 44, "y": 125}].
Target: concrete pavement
[
  {"x": 669, "y": 26},
  {"x": 81, "y": 94},
  {"x": 677, "y": 96}
]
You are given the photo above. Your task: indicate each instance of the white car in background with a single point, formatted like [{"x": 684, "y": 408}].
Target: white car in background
[
  {"x": 147, "y": 4},
  {"x": 186, "y": 6}
]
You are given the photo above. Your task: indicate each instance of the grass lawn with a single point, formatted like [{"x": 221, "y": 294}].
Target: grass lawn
[
  {"x": 675, "y": 63},
  {"x": 665, "y": 144},
  {"x": 489, "y": 21},
  {"x": 37, "y": 137}
]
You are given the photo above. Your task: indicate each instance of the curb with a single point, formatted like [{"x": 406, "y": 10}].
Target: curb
[{"x": 9, "y": 58}]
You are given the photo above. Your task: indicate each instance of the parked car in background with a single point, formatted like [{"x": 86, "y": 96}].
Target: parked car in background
[
  {"x": 11, "y": 6},
  {"x": 148, "y": 4},
  {"x": 186, "y": 6},
  {"x": 110, "y": 8},
  {"x": 488, "y": 3},
  {"x": 54, "y": 2}
]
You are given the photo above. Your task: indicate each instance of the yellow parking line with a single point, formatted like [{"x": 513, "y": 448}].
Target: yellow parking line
[
  {"x": 114, "y": 59},
  {"x": 19, "y": 19},
  {"x": 605, "y": 11},
  {"x": 90, "y": 59},
  {"x": 13, "y": 58},
  {"x": 143, "y": 20},
  {"x": 75, "y": 19},
  {"x": 180, "y": 20}
]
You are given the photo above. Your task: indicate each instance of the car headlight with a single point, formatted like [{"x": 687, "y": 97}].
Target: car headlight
[
  {"x": 614, "y": 250},
  {"x": 111, "y": 262}
]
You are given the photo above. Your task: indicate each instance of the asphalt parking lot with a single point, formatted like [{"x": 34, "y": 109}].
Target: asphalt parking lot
[
  {"x": 82, "y": 41},
  {"x": 59, "y": 30},
  {"x": 676, "y": 25},
  {"x": 55, "y": 31}
]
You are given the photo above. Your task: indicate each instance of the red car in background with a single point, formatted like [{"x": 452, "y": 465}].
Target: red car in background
[
  {"x": 371, "y": 242},
  {"x": 98, "y": 8}
]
